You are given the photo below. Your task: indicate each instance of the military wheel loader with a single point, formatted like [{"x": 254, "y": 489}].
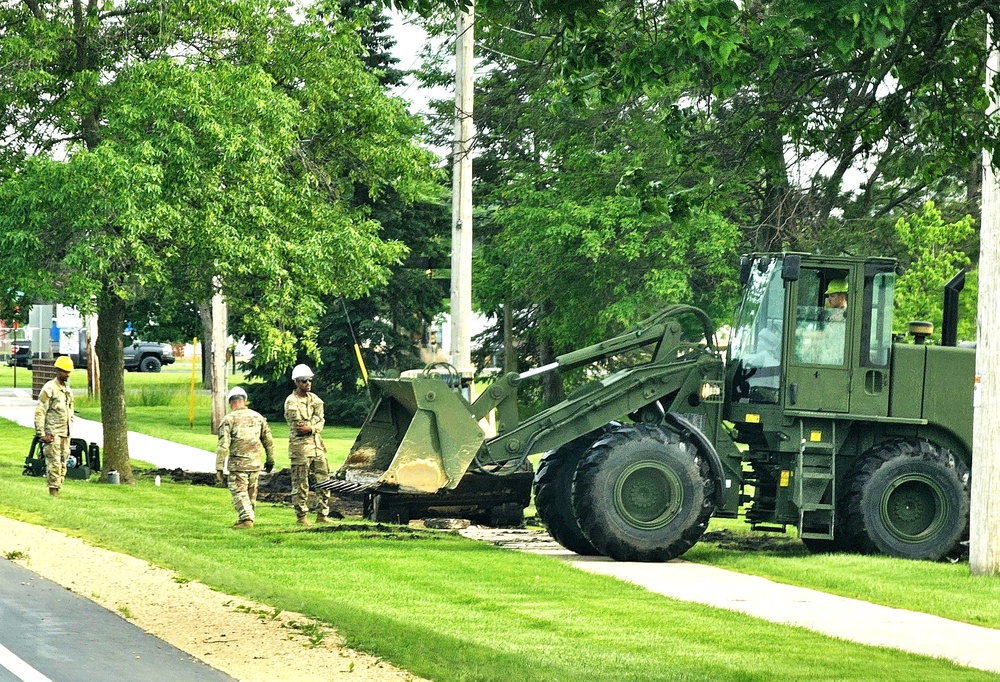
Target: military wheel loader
[{"x": 819, "y": 419}]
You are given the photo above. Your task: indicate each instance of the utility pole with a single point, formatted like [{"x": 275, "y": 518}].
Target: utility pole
[
  {"x": 461, "y": 195},
  {"x": 984, "y": 530}
]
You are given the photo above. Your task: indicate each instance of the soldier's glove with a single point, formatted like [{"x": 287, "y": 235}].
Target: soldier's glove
[
  {"x": 218, "y": 477},
  {"x": 269, "y": 466}
]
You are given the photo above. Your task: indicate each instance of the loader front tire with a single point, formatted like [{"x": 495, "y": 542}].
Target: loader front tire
[
  {"x": 643, "y": 493},
  {"x": 907, "y": 498},
  {"x": 554, "y": 493}
]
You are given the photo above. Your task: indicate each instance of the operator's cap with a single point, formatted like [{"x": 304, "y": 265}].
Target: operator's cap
[
  {"x": 236, "y": 392},
  {"x": 301, "y": 372},
  {"x": 836, "y": 286},
  {"x": 65, "y": 363}
]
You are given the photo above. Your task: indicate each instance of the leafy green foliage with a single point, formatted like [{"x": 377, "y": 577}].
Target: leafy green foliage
[
  {"x": 390, "y": 319},
  {"x": 937, "y": 252},
  {"x": 629, "y": 150},
  {"x": 161, "y": 145}
]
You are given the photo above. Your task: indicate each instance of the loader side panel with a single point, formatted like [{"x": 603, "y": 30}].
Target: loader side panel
[
  {"x": 907, "y": 382},
  {"x": 948, "y": 390}
]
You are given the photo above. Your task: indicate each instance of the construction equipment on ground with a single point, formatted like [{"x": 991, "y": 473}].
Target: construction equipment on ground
[
  {"x": 84, "y": 459},
  {"x": 819, "y": 418}
]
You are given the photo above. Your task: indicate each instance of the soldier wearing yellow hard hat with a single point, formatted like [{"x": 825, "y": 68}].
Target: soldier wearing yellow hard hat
[{"x": 53, "y": 422}]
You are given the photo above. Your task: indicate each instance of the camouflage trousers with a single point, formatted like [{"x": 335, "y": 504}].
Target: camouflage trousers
[
  {"x": 56, "y": 453},
  {"x": 243, "y": 488},
  {"x": 318, "y": 467}
]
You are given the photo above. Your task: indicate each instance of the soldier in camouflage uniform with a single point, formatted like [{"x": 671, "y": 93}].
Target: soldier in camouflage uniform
[
  {"x": 243, "y": 436},
  {"x": 304, "y": 414},
  {"x": 53, "y": 422}
]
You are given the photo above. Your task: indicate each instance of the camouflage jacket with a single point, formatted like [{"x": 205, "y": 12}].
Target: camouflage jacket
[
  {"x": 54, "y": 413},
  {"x": 243, "y": 436},
  {"x": 299, "y": 411}
]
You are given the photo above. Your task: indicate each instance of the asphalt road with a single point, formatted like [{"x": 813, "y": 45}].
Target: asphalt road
[{"x": 50, "y": 633}]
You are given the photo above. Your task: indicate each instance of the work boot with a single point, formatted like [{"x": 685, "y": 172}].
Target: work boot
[
  {"x": 54, "y": 492},
  {"x": 245, "y": 523},
  {"x": 320, "y": 518},
  {"x": 303, "y": 521}
]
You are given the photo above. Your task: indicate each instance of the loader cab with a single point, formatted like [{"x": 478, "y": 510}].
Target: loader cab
[{"x": 795, "y": 349}]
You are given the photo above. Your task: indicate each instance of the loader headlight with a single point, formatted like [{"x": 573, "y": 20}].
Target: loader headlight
[{"x": 711, "y": 391}]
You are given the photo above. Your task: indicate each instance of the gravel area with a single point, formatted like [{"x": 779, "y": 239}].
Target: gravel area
[{"x": 244, "y": 639}]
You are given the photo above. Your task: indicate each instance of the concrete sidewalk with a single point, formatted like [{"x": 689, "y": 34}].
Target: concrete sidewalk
[
  {"x": 850, "y": 619},
  {"x": 17, "y": 406},
  {"x": 840, "y": 617}
]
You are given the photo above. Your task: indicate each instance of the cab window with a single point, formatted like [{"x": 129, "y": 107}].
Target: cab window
[{"x": 821, "y": 317}]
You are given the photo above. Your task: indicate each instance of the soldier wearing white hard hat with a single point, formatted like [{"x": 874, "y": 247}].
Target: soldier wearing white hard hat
[
  {"x": 304, "y": 414},
  {"x": 244, "y": 435}
]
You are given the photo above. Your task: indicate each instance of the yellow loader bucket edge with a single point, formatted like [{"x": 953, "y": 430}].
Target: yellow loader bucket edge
[{"x": 420, "y": 436}]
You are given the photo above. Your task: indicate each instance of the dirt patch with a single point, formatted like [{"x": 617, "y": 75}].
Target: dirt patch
[
  {"x": 248, "y": 640},
  {"x": 274, "y": 487},
  {"x": 754, "y": 542}
]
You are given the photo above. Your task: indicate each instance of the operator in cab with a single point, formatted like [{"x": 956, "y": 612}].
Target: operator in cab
[{"x": 836, "y": 300}]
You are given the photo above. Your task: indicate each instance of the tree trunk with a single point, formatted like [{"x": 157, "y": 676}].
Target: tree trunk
[
  {"x": 509, "y": 354},
  {"x": 552, "y": 384},
  {"x": 205, "y": 314},
  {"x": 775, "y": 214},
  {"x": 111, "y": 359}
]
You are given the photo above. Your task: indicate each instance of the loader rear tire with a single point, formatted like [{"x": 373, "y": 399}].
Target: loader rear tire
[
  {"x": 554, "y": 492},
  {"x": 907, "y": 498},
  {"x": 643, "y": 493}
]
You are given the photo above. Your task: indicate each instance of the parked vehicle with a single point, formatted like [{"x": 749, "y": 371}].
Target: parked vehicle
[
  {"x": 145, "y": 356},
  {"x": 139, "y": 356},
  {"x": 860, "y": 440},
  {"x": 20, "y": 354}
]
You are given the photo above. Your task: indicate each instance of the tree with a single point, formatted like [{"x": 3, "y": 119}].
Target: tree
[
  {"x": 811, "y": 124},
  {"x": 937, "y": 252},
  {"x": 591, "y": 214},
  {"x": 389, "y": 324},
  {"x": 145, "y": 139},
  {"x": 391, "y": 321}
]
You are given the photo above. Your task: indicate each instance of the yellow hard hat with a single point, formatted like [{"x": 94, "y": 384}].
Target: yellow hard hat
[
  {"x": 64, "y": 362},
  {"x": 836, "y": 286}
]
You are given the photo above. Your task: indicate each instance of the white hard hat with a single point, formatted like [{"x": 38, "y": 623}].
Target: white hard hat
[
  {"x": 301, "y": 372},
  {"x": 236, "y": 392}
]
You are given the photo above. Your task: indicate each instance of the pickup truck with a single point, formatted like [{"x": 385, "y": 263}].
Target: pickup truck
[
  {"x": 140, "y": 356},
  {"x": 143, "y": 356}
]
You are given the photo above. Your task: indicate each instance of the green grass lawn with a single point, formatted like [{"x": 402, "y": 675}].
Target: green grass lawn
[
  {"x": 453, "y": 609},
  {"x": 15, "y": 377},
  {"x": 437, "y": 604},
  {"x": 941, "y": 589}
]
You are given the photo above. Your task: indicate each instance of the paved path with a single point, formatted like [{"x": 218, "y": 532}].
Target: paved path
[
  {"x": 840, "y": 617},
  {"x": 49, "y": 633},
  {"x": 17, "y": 406}
]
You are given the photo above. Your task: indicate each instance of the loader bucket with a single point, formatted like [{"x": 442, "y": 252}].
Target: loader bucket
[{"x": 420, "y": 436}]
